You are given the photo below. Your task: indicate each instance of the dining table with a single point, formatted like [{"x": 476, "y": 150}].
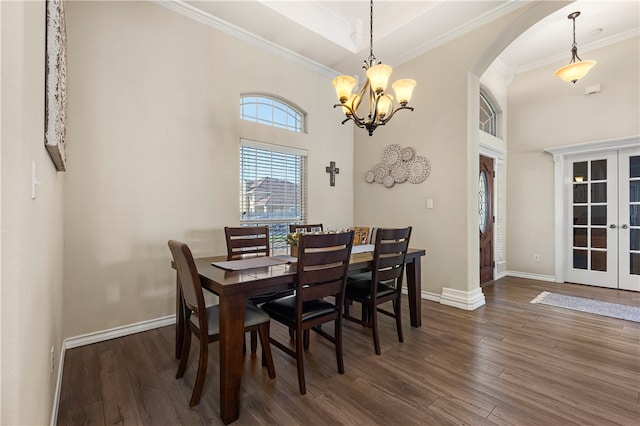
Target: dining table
[{"x": 234, "y": 287}]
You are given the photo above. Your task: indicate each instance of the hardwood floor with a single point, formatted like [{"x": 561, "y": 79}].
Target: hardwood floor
[{"x": 506, "y": 363}]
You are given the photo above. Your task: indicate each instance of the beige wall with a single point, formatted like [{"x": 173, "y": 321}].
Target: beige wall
[
  {"x": 31, "y": 275},
  {"x": 154, "y": 132},
  {"x": 544, "y": 112}
]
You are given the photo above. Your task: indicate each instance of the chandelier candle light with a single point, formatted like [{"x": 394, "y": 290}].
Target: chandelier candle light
[
  {"x": 381, "y": 107},
  {"x": 575, "y": 70}
]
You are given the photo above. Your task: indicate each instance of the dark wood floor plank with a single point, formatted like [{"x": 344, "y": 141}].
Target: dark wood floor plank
[
  {"x": 508, "y": 362},
  {"x": 154, "y": 404},
  {"x": 118, "y": 398}
]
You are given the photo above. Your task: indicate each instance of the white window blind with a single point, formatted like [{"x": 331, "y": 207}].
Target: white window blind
[{"x": 273, "y": 188}]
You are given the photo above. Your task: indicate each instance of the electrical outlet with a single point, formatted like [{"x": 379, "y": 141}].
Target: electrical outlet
[
  {"x": 536, "y": 257},
  {"x": 53, "y": 360}
]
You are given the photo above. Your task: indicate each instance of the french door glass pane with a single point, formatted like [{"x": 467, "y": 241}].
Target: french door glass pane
[
  {"x": 580, "y": 192},
  {"x": 634, "y": 240},
  {"x": 599, "y": 170},
  {"x": 634, "y": 166},
  {"x": 579, "y": 237},
  {"x": 580, "y": 215},
  {"x": 634, "y": 215},
  {"x": 580, "y": 171},
  {"x": 599, "y": 237},
  {"x": 580, "y": 259},
  {"x": 599, "y": 192},
  {"x": 598, "y": 215},
  {"x": 598, "y": 260},
  {"x": 634, "y": 267}
]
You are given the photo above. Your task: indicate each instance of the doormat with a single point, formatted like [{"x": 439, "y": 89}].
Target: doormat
[{"x": 614, "y": 310}]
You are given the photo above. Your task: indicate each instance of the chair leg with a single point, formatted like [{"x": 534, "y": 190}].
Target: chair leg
[
  {"x": 305, "y": 338},
  {"x": 267, "y": 358},
  {"x": 254, "y": 341},
  {"x": 338, "y": 338},
  {"x": 202, "y": 372},
  {"x": 184, "y": 354},
  {"x": 373, "y": 316},
  {"x": 396, "y": 311},
  {"x": 300, "y": 362}
]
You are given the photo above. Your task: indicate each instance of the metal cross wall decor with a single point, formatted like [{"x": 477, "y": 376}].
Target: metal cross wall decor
[{"x": 333, "y": 171}]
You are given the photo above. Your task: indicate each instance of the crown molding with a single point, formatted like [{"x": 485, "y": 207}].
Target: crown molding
[
  {"x": 459, "y": 31},
  {"x": 191, "y": 12}
]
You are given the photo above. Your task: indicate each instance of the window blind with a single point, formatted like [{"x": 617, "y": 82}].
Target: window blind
[{"x": 273, "y": 188}]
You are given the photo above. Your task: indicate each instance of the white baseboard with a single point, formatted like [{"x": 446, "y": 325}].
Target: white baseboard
[
  {"x": 113, "y": 333},
  {"x": 467, "y": 300},
  {"x": 530, "y": 276},
  {"x": 101, "y": 336}
]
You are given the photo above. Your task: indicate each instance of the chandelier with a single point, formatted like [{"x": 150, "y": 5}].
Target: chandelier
[
  {"x": 575, "y": 70},
  {"x": 381, "y": 106}
]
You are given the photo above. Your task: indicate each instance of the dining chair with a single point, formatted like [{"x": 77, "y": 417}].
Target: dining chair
[
  {"x": 254, "y": 241},
  {"x": 382, "y": 284},
  {"x": 203, "y": 321},
  {"x": 247, "y": 240},
  {"x": 304, "y": 227},
  {"x": 323, "y": 260}
]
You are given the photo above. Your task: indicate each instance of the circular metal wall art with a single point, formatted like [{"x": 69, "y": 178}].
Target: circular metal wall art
[
  {"x": 407, "y": 153},
  {"x": 400, "y": 172},
  {"x": 380, "y": 171},
  {"x": 370, "y": 176},
  {"x": 419, "y": 169},
  {"x": 388, "y": 181},
  {"x": 391, "y": 154}
]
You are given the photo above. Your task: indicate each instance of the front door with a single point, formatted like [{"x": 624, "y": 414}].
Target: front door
[
  {"x": 604, "y": 219},
  {"x": 486, "y": 219}
]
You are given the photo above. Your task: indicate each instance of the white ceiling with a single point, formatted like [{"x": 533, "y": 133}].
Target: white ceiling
[{"x": 335, "y": 34}]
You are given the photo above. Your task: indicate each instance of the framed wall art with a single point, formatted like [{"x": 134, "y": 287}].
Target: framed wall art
[{"x": 55, "y": 105}]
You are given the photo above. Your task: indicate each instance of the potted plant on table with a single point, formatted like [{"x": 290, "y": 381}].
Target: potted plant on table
[{"x": 292, "y": 241}]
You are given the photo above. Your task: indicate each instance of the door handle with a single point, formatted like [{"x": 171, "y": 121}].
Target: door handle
[
  {"x": 612, "y": 226},
  {"x": 624, "y": 226}
]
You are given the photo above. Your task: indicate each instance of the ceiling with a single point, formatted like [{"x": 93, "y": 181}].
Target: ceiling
[{"x": 335, "y": 34}]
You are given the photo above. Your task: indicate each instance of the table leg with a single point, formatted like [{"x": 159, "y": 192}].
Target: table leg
[
  {"x": 231, "y": 339},
  {"x": 179, "y": 318},
  {"x": 414, "y": 288}
]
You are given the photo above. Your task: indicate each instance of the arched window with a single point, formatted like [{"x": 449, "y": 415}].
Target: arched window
[
  {"x": 488, "y": 115},
  {"x": 271, "y": 111}
]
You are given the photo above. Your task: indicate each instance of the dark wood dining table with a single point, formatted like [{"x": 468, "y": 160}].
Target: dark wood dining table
[{"x": 234, "y": 287}]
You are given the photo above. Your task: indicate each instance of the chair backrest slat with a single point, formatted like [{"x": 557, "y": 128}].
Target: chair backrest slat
[{"x": 247, "y": 240}]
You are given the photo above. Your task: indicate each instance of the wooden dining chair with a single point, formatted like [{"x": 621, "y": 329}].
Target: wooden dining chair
[
  {"x": 247, "y": 240},
  {"x": 203, "y": 321},
  {"x": 304, "y": 227},
  {"x": 382, "y": 284},
  {"x": 251, "y": 241},
  {"x": 322, "y": 265}
]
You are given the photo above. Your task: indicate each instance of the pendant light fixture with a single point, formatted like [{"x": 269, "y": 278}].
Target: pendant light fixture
[
  {"x": 575, "y": 70},
  {"x": 381, "y": 106}
]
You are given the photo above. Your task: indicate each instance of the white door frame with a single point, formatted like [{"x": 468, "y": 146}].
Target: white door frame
[{"x": 560, "y": 154}]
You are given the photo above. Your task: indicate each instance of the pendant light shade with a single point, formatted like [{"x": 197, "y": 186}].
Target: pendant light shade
[
  {"x": 574, "y": 72},
  {"x": 576, "y": 69}
]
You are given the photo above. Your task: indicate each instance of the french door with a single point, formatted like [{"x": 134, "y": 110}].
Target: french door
[{"x": 603, "y": 219}]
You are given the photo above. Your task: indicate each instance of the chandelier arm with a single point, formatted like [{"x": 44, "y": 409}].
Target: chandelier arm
[{"x": 387, "y": 118}]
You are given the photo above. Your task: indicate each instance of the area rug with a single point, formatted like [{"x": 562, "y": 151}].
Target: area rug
[{"x": 614, "y": 310}]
